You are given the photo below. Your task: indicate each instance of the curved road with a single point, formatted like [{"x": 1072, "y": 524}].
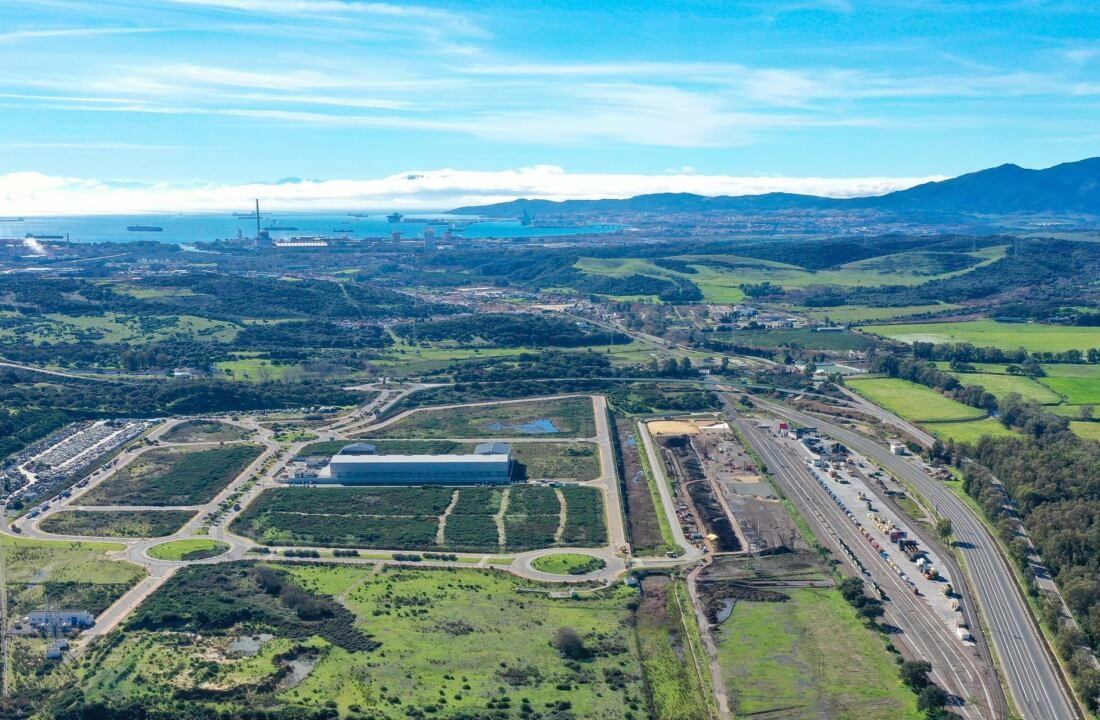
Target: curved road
[{"x": 1032, "y": 674}]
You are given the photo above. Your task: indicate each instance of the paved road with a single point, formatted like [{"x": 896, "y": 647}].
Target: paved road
[
  {"x": 956, "y": 667},
  {"x": 657, "y": 466},
  {"x": 1033, "y": 677},
  {"x": 57, "y": 373}
]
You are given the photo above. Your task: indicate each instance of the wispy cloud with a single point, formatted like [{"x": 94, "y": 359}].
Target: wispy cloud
[
  {"x": 445, "y": 19},
  {"x": 88, "y": 146},
  {"x": 13, "y": 36},
  {"x": 36, "y": 193}
]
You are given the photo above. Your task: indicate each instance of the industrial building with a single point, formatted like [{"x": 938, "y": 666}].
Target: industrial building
[{"x": 358, "y": 464}]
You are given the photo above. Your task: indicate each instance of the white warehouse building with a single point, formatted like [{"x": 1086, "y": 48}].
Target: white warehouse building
[{"x": 490, "y": 464}]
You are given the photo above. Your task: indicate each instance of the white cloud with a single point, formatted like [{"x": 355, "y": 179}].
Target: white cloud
[
  {"x": 17, "y": 35},
  {"x": 1080, "y": 56},
  {"x": 444, "y": 20},
  {"x": 31, "y": 193}
]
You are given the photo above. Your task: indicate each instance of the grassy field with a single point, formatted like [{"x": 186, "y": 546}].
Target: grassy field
[
  {"x": 807, "y": 658},
  {"x": 251, "y": 369},
  {"x": 408, "y": 518},
  {"x": 911, "y": 401},
  {"x": 968, "y": 432},
  {"x": 194, "y": 431},
  {"x": 173, "y": 476},
  {"x": 567, "y": 564},
  {"x": 424, "y": 356},
  {"x": 78, "y": 574},
  {"x": 558, "y": 461},
  {"x": 858, "y": 313},
  {"x": 719, "y": 277},
  {"x": 116, "y": 523},
  {"x": 988, "y": 333},
  {"x": 392, "y": 447},
  {"x": 190, "y": 549},
  {"x": 406, "y": 664},
  {"x": 1080, "y": 384},
  {"x": 1001, "y": 385},
  {"x": 674, "y": 681},
  {"x": 568, "y": 417},
  {"x": 1087, "y": 430},
  {"x": 112, "y": 328}
]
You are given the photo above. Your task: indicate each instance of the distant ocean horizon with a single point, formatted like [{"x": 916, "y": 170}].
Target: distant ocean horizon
[{"x": 188, "y": 228}]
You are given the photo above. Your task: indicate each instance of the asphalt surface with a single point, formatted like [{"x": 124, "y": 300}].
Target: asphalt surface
[
  {"x": 1031, "y": 673},
  {"x": 956, "y": 667}
]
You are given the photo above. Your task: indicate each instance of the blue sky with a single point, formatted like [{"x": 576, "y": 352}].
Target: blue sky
[{"x": 174, "y": 94}]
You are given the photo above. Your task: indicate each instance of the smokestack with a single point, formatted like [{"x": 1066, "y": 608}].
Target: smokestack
[{"x": 257, "y": 219}]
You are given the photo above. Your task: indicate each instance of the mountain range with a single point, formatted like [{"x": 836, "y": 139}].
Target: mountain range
[{"x": 1072, "y": 187}]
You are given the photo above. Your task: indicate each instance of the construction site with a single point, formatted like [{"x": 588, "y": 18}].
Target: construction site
[{"x": 723, "y": 502}]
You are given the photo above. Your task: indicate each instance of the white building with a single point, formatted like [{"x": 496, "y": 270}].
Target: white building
[{"x": 490, "y": 464}]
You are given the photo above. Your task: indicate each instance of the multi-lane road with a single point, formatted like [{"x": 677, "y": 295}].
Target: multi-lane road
[
  {"x": 1032, "y": 675},
  {"x": 957, "y": 667}
]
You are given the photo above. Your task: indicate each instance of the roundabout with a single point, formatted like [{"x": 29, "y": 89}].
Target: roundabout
[
  {"x": 188, "y": 550},
  {"x": 568, "y": 564}
]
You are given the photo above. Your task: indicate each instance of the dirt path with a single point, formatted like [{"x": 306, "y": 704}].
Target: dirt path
[
  {"x": 721, "y": 699},
  {"x": 502, "y": 537},
  {"x": 441, "y": 532},
  {"x": 367, "y": 576},
  {"x": 563, "y": 516}
]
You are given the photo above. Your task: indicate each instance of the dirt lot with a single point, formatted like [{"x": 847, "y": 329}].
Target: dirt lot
[
  {"x": 705, "y": 506},
  {"x": 659, "y": 428},
  {"x": 763, "y": 521},
  {"x": 642, "y": 522}
]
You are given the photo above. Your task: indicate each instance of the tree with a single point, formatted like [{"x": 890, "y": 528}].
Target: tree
[
  {"x": 1087, "y": 412},
  {"x": 932, "y": 697},
  {"x": 944, "y": 529},
  {"x": 851, "y": 589},
  {"x": 1088, "y": 686},
  {"x": 871, "y": 611},
  {"x": 914, "y": 673}
]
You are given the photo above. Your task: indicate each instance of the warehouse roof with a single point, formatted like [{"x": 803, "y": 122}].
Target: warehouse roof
[
  {"x": 358, "y": 449},
  {"x": 493, "y": 448},
  {"x": 398, "y": 459}
]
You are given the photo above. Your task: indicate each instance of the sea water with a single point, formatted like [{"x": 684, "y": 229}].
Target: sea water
[{"x": 185, "y": 228}]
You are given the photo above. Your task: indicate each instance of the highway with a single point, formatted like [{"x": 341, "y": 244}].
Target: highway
[
  {"x": 1033, "y": 677},
  {"x": 956, "y": 667}
]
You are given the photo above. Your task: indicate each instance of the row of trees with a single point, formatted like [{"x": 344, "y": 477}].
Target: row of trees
[
  {"x": 968, "y": 353},
  {"x": 1048, "y": 480},
  {"x": 925, "y": 373},
  {"x": 511, "y": 330}
]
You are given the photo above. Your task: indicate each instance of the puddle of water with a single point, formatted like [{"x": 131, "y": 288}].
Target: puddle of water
[
  {"x": 249, "y": 645},
  {"x": 540, "y": 426},
  {"x": 300, "y": 668},
  {"x": 727, "y": 610}
]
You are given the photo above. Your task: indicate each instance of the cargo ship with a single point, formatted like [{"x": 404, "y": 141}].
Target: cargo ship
[
  {"x": 281, "y": 228},
  {"x": 33, "y": 236},
  {"x": 144, "y": 228}
]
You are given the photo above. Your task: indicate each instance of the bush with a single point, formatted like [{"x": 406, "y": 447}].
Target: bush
[{"x": 568, "y": 642}]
